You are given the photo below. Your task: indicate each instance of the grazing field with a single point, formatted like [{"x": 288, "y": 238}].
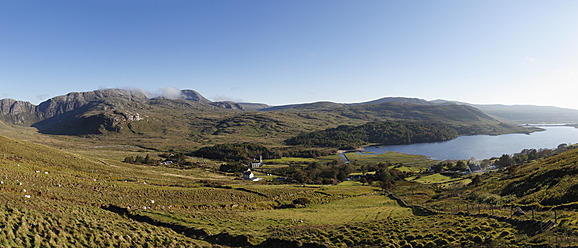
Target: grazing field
[
  {"x": 86, "y": 197},
  {"x": 412, "y": 162},
  {"x": 440, "y": 179}
]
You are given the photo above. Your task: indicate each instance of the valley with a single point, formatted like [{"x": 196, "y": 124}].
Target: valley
[{"x": 66, "y": 180}]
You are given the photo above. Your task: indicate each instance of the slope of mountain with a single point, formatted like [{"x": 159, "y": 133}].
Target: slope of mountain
[
  {"x": 467, "y": 120},
  {"x": 529, "y": 114},
  {"x": 305, "y": 106},
  {"x": 192, "y": 120},
  {"x": 524, "y": 114},
  {"x": 547, "y": 182},
  {"x": 192, "y": 95},
  {"x": 18, "y": 112},
  {"x": 398, "y": 100}
]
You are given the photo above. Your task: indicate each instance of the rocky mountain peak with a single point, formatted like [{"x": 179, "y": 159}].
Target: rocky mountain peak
[
  {"x": 76, "y": 100},
  {"x": 17, "y": 112},
  {"x": 192, "y": 95}
]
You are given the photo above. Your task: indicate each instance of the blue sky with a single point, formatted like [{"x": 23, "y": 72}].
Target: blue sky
[{"x": 283, "y": 52}]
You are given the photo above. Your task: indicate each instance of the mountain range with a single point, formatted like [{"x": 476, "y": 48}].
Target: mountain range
[{"x": 193, "y": 120}]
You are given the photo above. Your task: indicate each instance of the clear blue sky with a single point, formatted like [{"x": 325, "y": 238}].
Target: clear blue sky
[{"x": 282, "y": 52}]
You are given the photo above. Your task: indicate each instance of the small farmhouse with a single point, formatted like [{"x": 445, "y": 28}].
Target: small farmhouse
[{"x": 248, "y": 175}]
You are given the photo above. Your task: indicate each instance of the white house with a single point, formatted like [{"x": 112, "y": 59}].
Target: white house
[{"x": 248, "y": 175}]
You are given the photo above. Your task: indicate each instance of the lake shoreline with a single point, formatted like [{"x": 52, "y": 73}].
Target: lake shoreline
[{"x": 485, "y": 146}]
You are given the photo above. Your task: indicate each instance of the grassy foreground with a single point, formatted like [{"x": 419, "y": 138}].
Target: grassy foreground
[{"x": 76, "y": 197}]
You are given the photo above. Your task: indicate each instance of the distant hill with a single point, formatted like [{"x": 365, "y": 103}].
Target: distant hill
[
  {"x": 524, "y": 114},
  {"x": 191, "y": 120},
  {"x": 528, "y": 114},
  {"x": 305, "y": 106},
  {"x": 398, "y": 100}
]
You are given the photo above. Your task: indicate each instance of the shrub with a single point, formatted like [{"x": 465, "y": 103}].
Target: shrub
[
  {"x": 441, "y": 241},
  {"x": 504, "y": 234},
  {"x": 478, "y": 239}
]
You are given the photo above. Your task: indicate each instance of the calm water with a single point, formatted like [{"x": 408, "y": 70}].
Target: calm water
[{"x": 485, "y": 146}]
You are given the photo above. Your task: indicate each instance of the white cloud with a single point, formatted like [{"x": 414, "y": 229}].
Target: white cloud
[
  {"x": 221, "y": 98},
  {"x": 531, "y": 59},
  {"x": 170, "y": 92}
]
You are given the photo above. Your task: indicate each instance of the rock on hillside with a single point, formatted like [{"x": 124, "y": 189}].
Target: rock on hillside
[
  {"x": 192, "y": 95},
  {"x": 73, "y": 102},
  {"x": 18, "y": 112}
]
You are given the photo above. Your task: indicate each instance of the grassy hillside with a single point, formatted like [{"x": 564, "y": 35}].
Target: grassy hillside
[
  {"x": 120, "y": 117},
  {"x": 85, "y": 197},
  {"x": 546, "y": 182}
]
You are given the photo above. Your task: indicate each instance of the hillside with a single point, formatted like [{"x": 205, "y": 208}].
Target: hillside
[
  {"x": 467, "y": 120},
  {"x": 523, "y": 114},
  {"x": 546, "y": 182},
  {"x": 55, "y": 197},
  {"x": 383, "y": 133},
  {"x": 528, "y": 114},
  {"x": 87, "y": 197},
  {"x": 190, "y": 120}
]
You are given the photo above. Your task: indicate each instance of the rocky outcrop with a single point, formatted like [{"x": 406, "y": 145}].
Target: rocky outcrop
[
  {"x": 18, "y": 112},
  {"x": 67, "y": 114},
  {"x": 192, "y": 95},
  {"x": 26, "y": 113},
  {"x": 228, "y": 105},
  {"x": 75, "y": 102}
]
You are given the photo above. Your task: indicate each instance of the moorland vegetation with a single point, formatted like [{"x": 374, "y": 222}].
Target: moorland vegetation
[{"x": 110, "y": 185}]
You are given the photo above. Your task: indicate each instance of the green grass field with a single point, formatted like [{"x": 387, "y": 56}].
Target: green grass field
[
  {"x": 58, "y": 197},
  {"x": 415, "y": 162}
]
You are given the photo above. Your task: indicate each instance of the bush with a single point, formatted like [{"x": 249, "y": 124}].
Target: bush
[
  {"x": 441, "y": 241},
  {"x": 478, "y": 239},
  {"x": 504, "y": 234},
  {"x": 301, "y": 201}
]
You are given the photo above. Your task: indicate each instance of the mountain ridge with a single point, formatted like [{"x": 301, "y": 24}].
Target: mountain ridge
[{"x": 194, "y": 120}]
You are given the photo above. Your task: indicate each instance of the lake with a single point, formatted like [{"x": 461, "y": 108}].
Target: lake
[{"x": 486, "y": 146}]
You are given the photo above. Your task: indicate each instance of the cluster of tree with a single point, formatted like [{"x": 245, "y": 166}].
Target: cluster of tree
[
  {"x": 304, "y": 153},
  {"x": 178, "y": 159},
  {"x": 236, "y": 152},
  {"x": 528, "y": 155},
  {"x": 334, "y": 172},
  {"x": 385, "y": 176},
  {"x": 249, "y": 151},
  {"x": 233, "y": 167},
  {"x": 139, "y": 160},
  {"x": 442, "y": 166},
  {"x": 317, "y": 173},
  {"x": 386, "y": 133}
]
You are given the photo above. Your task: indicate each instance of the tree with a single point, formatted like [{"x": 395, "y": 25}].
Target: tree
[
  {"x": 138, "y": 160},
  {"x": 301, "y": 201},
  {"x": 342, "y": 176},
  {"x": 476, "y": 180},
  {"x": 461, "y": 165},
  {"x": 370, "y": 181},
  {"x": 505, "y": 161},
  {"x": 437, "y": 168},
  {"x": 148, "y": 160},
  {"x": 233, "y": 167},
  {"x": 386, "y": 184},
  {"x": 129, "y": 159}
]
